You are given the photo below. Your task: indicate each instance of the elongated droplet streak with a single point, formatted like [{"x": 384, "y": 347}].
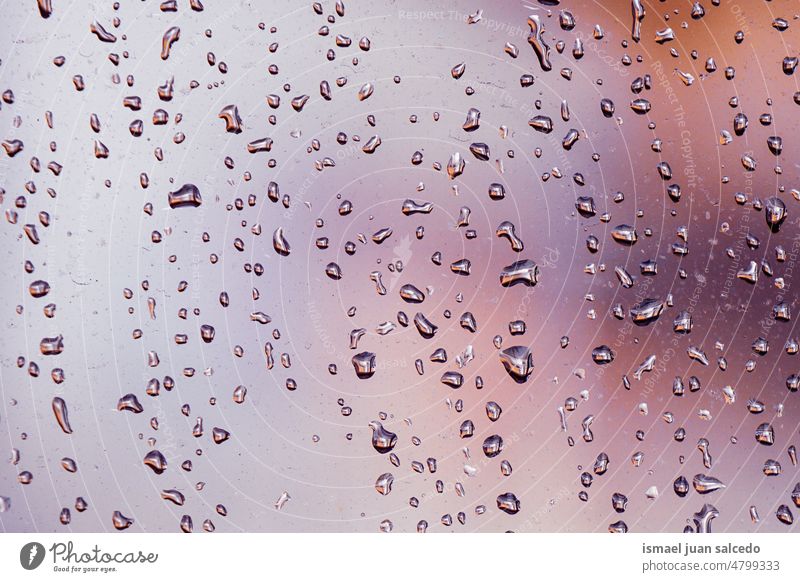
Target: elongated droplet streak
[
  {"x": 62, "y": 414},
  {"x": 282, "y": 500},
  {"x": 535, "y": 39},
  {"x": 411, "y": 207},
  {"x": 45, "y": 8},
  {"x": 170, "y": 37},
  {"x": 706, "y": 484},
  {"x": 638, "y": 12}
]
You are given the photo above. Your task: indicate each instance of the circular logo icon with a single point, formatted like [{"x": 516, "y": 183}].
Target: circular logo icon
[{"x": 31, "y": 555}]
